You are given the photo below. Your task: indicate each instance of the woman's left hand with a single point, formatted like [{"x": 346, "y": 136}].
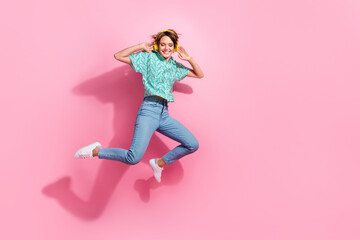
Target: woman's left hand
[{"x": 183, "y": 55}]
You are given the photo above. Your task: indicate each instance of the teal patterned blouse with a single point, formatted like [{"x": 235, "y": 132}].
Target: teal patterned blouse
[{"x": 158, "y": 75}]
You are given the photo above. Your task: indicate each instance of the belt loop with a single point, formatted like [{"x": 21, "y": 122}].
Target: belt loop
[{"x": 162, "y": 108}]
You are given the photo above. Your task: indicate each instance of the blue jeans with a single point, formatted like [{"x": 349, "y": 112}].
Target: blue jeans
[{"x": 153, "y": 116}]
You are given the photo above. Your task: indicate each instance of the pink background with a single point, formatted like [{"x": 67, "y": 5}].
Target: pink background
[{"x": 277, "y": 117}]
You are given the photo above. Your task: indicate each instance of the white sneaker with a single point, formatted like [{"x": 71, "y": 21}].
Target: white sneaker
[
  {"x": 157, "y": 170},
  {"x": 86, "y": 152}
]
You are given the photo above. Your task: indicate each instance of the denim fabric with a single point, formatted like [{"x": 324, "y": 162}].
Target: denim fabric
[{"x": 153, "y": 116}]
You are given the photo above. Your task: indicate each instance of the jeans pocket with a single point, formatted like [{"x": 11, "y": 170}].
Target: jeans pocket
[{"x": 148, "y": 108}]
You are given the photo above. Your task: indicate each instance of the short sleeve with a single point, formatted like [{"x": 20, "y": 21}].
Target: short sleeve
[
  {"x": 139, "y": 61},
  {"x": 181, "y": 71}
]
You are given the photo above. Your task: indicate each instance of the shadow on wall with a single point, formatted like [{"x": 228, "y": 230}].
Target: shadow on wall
[{"x": 122, "y": 87}]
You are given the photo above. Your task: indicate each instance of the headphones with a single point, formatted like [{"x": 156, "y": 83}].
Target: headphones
[{"x": 156, "y": 47}]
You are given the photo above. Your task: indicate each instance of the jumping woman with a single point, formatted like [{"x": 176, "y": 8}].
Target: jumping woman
[{"x": 159, "y": 72}]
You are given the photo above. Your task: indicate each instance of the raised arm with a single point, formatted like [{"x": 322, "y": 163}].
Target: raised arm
[
  {"x": 123, "y": 55},
  {"x": 196, "y": 72}
]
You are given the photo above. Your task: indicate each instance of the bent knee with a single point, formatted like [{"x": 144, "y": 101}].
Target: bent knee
[
  {"x": 133, "y": 162},
  {"x": 132, "y": 159},
  {"x": 193, "y": 146}
]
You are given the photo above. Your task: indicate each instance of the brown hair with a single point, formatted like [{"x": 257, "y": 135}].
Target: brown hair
[{"x": 172, "y": 35}]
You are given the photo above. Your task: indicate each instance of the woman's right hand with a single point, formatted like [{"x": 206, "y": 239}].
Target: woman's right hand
[{"x": 148, "y": 47}]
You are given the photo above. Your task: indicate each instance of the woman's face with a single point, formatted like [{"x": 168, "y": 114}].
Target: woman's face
[{"x": 166, "y": 47}]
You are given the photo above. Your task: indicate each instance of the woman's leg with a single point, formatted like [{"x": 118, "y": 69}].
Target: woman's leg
[
  {"x": 145, "y": 126},
  {"x": 173, "y": 129}
]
